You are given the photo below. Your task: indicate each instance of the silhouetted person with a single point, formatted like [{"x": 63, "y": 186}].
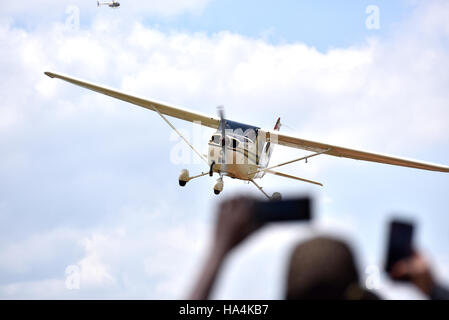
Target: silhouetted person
[{"x": 324, "y": 268}]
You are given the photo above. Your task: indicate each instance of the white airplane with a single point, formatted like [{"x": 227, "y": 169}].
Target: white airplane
[
  {"x": 111, "y": 4},
  {"x": 242, "y": 151}
]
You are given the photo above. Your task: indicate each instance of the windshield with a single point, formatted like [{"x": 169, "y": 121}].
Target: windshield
[{"x": 242, "y": 132}]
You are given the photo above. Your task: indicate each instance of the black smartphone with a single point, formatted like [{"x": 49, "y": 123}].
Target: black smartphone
[
  {"x": 400, "y": 242},
  {"x": 283, "y": 210}
]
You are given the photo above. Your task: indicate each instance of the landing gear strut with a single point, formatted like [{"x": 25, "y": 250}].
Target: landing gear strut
[
  {"x": 211, "y": 170},
  {"x": 275, "y": 197}
]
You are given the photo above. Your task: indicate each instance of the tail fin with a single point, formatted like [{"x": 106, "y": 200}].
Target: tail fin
[
  {"x": 278, "y": 125},
  {"x": 268, "y": 148}
]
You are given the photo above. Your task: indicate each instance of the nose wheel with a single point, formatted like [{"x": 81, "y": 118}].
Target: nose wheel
[
  {"x": 218, "y": 186},
  {"x": 276, "y": 196}
]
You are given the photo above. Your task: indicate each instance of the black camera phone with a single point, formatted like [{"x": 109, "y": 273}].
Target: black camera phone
[
  {"x": 283, "y": 210},
  {"x": 400, "y": 243}
]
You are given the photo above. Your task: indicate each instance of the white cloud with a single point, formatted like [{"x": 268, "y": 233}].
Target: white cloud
[
  {"x": 93, "y": 271},
  {"x": 33, "y": 289},
  {"x": 140, "y": 253},
  {"x": 358, "y": 96},
  {"x": 19, "y": 257}
]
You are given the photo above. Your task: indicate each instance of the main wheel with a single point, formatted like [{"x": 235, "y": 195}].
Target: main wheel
[
  {"x": 217, "y": 192},
  {"x": 182, "y": 183},
  {"x": 276, "y": 196}
]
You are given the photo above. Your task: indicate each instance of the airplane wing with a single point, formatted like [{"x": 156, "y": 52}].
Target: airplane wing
[
  {"x": 169, "y": 110},
  {"x": 295, "y": 142}
]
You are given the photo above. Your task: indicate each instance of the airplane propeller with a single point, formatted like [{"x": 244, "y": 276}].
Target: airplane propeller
[{"x": 220, "y": 110}]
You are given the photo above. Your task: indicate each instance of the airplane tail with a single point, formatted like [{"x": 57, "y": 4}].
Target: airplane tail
[{"x": 278, "y": 125}]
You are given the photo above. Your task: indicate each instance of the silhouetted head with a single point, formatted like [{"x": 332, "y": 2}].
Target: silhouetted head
[{"x": 323, "y": 268}]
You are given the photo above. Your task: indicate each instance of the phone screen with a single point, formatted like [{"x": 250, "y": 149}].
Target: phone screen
[
  {"x": 400, "y": 243},
  {"x": 283, "y": 210}
]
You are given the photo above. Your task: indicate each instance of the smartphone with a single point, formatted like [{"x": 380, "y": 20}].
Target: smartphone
[
  {"x": 400, "y": 242},
  {"x": 283, "y": 210}
]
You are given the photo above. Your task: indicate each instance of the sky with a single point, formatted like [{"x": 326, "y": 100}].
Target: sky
[{"x": 88, "y": 184}]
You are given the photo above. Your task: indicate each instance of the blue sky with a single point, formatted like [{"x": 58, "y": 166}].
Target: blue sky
[
  {"x": 91, "y": 182},
  {"x": 321, "y": 24}
]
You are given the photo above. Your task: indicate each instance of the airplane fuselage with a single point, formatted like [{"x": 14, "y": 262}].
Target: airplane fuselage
[
  {"x": 238, "y": 164},
  {"x": 245, "y": 152}
]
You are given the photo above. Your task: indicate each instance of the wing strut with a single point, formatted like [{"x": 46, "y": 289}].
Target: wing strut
[
  {"x": 182, "y": 137},
  {"x": 291, "y": 161},
  {"x": 260, "y": 188},
  {"x": 293, "y": 177}
]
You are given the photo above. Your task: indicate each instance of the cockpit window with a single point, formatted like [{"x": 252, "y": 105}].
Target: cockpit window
[
  {"x": 216, "y": 138},
  {"x": 232, "y": 142}
]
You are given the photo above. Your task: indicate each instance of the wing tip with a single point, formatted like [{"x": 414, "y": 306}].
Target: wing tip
[
  {"x": 49, "y": 74},
  {"x": 439, "y": 168}
]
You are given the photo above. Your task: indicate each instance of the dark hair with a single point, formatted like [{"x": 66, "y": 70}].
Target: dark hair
[{"x": 323, "y": 268}]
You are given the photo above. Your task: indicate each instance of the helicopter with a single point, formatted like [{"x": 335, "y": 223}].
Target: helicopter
[{"x": 110, "y": 4}]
